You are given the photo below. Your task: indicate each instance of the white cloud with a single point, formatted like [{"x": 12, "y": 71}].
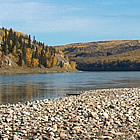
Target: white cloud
[
  {"x": 23, "y": 11},
  {"x": 64, "y": 24},
  {"x": 41, "y": 17},
  {"x": 124, "y": 16}
]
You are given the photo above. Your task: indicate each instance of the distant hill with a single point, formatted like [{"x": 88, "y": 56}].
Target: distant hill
[
  {"x": 104, "y": 55},
  {"x": 19, "y": 50}
]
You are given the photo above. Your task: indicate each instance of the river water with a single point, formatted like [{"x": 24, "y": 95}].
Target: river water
[{"x": 28, "y": 87}]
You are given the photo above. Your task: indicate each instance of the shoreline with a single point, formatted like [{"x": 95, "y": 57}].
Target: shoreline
[
  {"x": 95, "y": 114},
  {"x": 19, "y": 70}
]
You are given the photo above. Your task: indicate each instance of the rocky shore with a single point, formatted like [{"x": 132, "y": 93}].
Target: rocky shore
[{"x": 98, "y": 114}]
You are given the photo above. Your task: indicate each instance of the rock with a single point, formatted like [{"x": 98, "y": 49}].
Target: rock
[
  {"x": 106, "y": 115},
  {"x": 35, "y": 108},
  {"x": 52, "y": 134},
  {"x": 8, "y": 120},
  {"x": 5, "y": 138},
  {"x": 130, "y": 119},
  {"x": 94, "y": 115},
  {"x": 52, "y": 119},
  {"x": 25, "y": 113},
  {"x": 97, "y": 114},
  {"x": 15, "y": 137},
  {"x": 77, "y": 128},
  {"x": 46, "y": 118},
  {"x": 105, "y": 137},
  {"x": 62, "y": 135},
  {"x": 54, "y": 128},
  {"x": 118, "y": 133},
  {"x": 74, "y": 119}
]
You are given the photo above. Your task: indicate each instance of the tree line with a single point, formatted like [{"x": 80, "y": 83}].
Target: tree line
[
  {"x": 26, "y": 52},
  {"x": 119, "y": 65}
]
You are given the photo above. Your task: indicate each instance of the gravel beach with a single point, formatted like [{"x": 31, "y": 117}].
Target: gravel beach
[{"x": 97, "y": 114}]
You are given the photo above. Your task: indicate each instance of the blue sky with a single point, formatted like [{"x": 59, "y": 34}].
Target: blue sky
[{"x": 56, "y": 22}]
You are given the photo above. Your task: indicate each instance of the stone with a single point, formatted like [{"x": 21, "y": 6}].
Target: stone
[
  {"x": 9, "y": 119},
  {"x": 105, "y": 137},
  {"x": 106, "y": 115},
  {"x": 94, "y": 115},
  {"x": 118, "y": 133},
  {"x": 25, "y": 113},
  {"x": 62, "y": 135},
  {"x": 54, "y": 128},
  {"x": 52, "y": 134},
  {"x": 74, "y": 119},
  {"x": 46, "y": 118},
  {"x": 15, "y": 137},
  {"x": 52, "y": 119},
  {"x": 98, "y": 112}
]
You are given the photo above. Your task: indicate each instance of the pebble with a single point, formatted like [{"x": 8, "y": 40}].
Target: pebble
[
  {"x": 95, "y": 114},
  {"x": 62, "y": 135},
  {"x": 106, "y": 115}
]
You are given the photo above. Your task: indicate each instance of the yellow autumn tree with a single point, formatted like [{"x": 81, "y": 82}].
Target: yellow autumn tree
[
  {"x": 28, "y": 57},
  {"x": 22, "y": 63},
  {"x": 47, "y": 54},
  {"x": 48, "y": 64},
  {"x": 0, "y": 37},
  {"x": 73, "y": 65},
  {"x": 66, "y": 57},
  {"x": 7, "y": 32},
  {"x": 14, "y": 51},
  {"x": 60, "y": 52},
  {"x": 54, "y": 61},
  {"x": 35, "y": 62},
  {"x": 11, "y": 42}
]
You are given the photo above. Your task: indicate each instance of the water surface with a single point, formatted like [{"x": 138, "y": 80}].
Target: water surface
[{"x": 20, "y": 88}]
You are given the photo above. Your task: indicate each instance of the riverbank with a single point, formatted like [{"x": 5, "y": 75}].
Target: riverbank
[
  {"x": 27, "y": 70},
  {"x": 97, "y": 114}
]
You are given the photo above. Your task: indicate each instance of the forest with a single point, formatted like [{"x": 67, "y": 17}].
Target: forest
[
  {"x": 22, "y": 51},
  {"x": 115, "y": 55}
]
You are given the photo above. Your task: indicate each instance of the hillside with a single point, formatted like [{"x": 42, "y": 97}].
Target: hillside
[
  {"x": 19, "y": 50},
  {"x": 104, "y": 55}
]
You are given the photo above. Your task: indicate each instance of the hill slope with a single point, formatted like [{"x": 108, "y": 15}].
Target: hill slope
[
  {"x": 104, "y": 55},
  {"x": 18, "y": 49}
]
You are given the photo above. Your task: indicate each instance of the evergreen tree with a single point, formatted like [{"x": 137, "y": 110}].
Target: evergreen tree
[{"x": 29, "y": 41}]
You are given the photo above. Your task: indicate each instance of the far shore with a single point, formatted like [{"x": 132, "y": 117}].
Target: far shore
[{"x": 27, "y": 70}]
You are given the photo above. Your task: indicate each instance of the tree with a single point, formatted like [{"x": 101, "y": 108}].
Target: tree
[
  {"x": 35, "y": 62},
  {"x": 54, "y": 61},
  {"x": 66, "y": 57},
  {"x": 21, "y": 61},
  {"x": 28, "y": 56},
  {"x": 48, "y": 64},
  {"x": 73, "y": 65},
  {"x": 14, "y": 51},
  {"x": 29, "y": 41},
  {"x": 0, "y": 37}
]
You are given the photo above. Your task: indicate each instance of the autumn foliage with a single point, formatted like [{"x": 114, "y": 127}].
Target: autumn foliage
[
  {"x": 26, "y": 52},
  {"x": 104, "y": 55}
]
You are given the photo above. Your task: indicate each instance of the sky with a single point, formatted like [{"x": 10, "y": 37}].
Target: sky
[{"x": 59, "y": 22}]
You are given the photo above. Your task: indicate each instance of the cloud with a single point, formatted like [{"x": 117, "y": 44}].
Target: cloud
[
  {"x": 114, "y": 2},
  {"x": 65, "y": 24},
  {"x": 23, "y": 10},
  {"x": 130, "y": 16},
  {"x": 41, "y": 17}
]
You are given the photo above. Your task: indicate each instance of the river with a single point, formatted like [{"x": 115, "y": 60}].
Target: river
[{"x": 28, "y": 87}]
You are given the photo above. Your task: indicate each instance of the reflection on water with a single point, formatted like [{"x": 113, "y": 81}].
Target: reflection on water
[{"x": 15, "y": 88}]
